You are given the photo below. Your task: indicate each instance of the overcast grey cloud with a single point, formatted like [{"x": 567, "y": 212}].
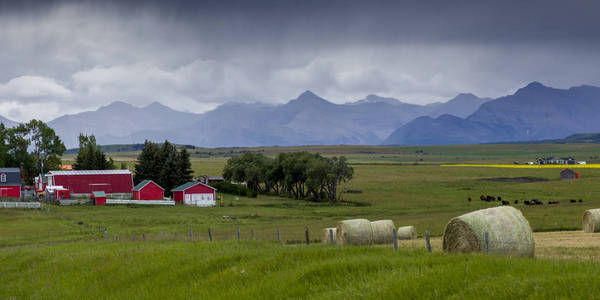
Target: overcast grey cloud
[{"x": 64, "y": 56}]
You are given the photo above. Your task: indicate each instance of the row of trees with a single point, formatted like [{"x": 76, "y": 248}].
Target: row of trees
[
  {"x": 34, "y": 147},
  {"x": 164, "y": 164},
  {"x": 298, "y": 174}
]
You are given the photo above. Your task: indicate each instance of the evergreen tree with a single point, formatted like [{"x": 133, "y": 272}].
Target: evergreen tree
[
  {"x": 148, "y": 166},
  {"x": 91, "y": 156},
  {"x": 169, "y": 177},
  {"x": 184, "y": 167}
]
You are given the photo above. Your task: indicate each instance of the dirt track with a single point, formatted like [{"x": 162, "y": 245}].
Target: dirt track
[{"x": 557, "y": 244}]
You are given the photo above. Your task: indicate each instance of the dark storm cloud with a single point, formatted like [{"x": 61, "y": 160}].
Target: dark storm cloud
[{"x": 72, "y": 55}]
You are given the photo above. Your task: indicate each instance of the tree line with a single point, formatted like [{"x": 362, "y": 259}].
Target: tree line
[
  {"x": 90, "y": 156},
  {"x": 164, "y": 165},
  {"x": 34, "y": 147},
  {"x": 300, "y": 175}
]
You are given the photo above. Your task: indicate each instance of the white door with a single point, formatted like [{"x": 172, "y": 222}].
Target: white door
[{"x": 188, "y": 199}]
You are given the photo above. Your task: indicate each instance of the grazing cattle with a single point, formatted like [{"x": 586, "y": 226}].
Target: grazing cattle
[
  {"x": 489, "y": 198},
  {"x": 469, "y": 199},
  {"x": 580, "y": 200},
  {"x": 482, "y": 198},
  {"x": 573, "y": 201},
  {"x": 527, "y": 202},
  {"x": 553, "y": 202},
  {"x": 537, "y": 202},
  {"x": 516, "y": 201},
  {"x": 499, "y": 198},
  {"x": 504, "y": 202}
]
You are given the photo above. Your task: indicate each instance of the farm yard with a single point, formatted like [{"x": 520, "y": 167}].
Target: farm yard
[{"x": 51, "y": 247}]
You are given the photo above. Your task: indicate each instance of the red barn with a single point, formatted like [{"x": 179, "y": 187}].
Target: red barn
[
  {"x": 98, "y": 198},
  {"x": 10, "y": 182},
  {"x": 84, "y": 182},
  {"x": 148, "y": 190},
  {"x": 195, "y": 193}
]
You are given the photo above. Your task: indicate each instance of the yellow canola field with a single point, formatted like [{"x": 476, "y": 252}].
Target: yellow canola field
[{"x": 588, "y": 166}]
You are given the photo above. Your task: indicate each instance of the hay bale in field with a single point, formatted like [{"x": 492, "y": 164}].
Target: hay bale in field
[
  {"x": 509, "y": 232},
  {"x": 354, "y": 232},
  {"x": 326, "y": 239},
  {"x": 591, "y": 220},
  {"x": 407, "y": 233},
  {"x": 383, "y": 231}
]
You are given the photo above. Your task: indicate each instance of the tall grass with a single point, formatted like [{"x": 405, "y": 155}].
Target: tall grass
[{"x": 248, "y": 270}]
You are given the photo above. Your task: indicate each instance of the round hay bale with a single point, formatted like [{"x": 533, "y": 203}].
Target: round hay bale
[
  {"x": 509, "y": 232},
  {"x": 591, "y": 220},
  {"x": 383, "y": 231},
  {"x": 354, "y": 232},
  {"x": 326, "y": 239},
  {"x": 407, "y": 233}
]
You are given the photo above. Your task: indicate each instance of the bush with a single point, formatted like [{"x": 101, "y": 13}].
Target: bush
[{"x": 234, "y": 189}]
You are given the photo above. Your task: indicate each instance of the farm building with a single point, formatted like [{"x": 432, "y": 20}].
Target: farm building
[
  {"x": 57, "y": 192},
  {"x": 84, "y": 182},
  {"x": 195, "y": 193},
  {"x": 10, "y": 182},
  {"x": 210, "y": 179},
  {"x": 98, "y": 198},
  {"x": 148, "y": 190},
  {"x": 568, "y": 174}
]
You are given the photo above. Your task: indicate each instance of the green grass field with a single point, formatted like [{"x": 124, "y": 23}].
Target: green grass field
[
  {"x": 247, "y": 270},
  {"x": 424, "y": 194}
]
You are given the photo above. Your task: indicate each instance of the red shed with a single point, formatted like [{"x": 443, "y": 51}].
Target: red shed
[
  {"x": 84, "y": 182},
  {"x": 10, "y": 182},
  {"x": 148, "y": 190},
  {"x": 99, "y": 198},
  {"x": 195, "y": 193}
]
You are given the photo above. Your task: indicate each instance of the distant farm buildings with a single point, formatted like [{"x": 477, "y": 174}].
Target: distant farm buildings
[
  {"x": 558, "y": 161},
  {"x": 195, "y": 193},
  {"x": 10, "y": 182},
  {"x": 568, "y": 174}
]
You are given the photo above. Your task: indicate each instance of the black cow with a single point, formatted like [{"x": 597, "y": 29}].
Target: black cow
[
  {"x": 469, "y": 199},
  {"x": 573, "y": 201},
  {"x": 516, "y": 201},
  {"x": 527, "y": 202},
  {"x": 505, "y": 202},
  {"x": 482, "y": 198}
]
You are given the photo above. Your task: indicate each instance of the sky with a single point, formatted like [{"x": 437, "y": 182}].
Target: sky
[{"x": 64, "y": 57}]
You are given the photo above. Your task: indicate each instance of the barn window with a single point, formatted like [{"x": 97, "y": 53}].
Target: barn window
[{"x": 3, "y": 177}]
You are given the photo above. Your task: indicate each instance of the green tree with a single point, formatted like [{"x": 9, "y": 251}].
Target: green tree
[
  {"x": 47, "y": 146},
  {"x": 184, "y": 167},
  {"x": 147, "y": 166},
  {"x": 91, "y": 156}
]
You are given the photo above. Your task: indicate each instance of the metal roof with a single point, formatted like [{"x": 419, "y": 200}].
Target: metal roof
[
  {"x": 142, "y": 184},
  {"x": 99, "y": 194},
  {"x": 90, "y": 172},
  {"x": 188, "y": 185},
  {"x": 10, "y": 170}
]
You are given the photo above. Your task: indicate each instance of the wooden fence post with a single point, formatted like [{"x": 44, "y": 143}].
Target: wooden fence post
[
  {"x": 106, "y": 235},
  {"x": 278, "y": 235},
  {"x": 395, "y": 239},
  {"x": 487, "y": 242},
  {"x": 428, "y": 244},
  {"x": 133, "y": 235},
  {"x": 191, "y": 234},
  {"x": 307, "y": 237},
  {"x": 238, "y": 233},
  {"x": 117, "y": 237},
  {"x": 252, "y": 233},
  {"x": 331, "y": 237},
  {"x": 209, "y": 235},
  {"x": 143, "y": 236}
]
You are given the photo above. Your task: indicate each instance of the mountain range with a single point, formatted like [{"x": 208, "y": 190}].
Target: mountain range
[
  {"x": 534, "y": 112},
  {"x": 306, "y": 120}
]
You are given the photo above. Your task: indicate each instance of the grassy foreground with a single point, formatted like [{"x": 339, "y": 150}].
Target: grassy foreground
[{"x": 243, "y": 270}]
